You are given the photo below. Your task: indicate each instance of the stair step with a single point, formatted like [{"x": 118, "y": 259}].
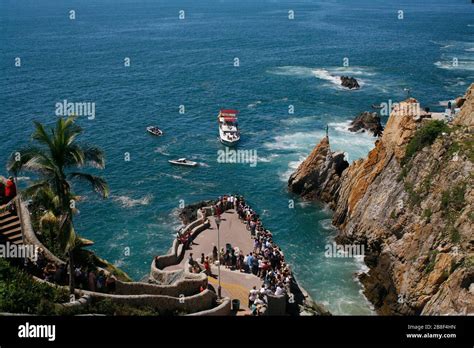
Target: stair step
[
  {"x": 11, "y": 225},
  {"x": 11, "y": 232},
  {"x": 17, "y": 241},
  {"x": 6, "y": 214},
  {"x": 7, "y": 219}
]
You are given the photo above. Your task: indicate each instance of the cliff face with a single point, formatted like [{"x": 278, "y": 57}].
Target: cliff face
[{"x": 415, "y": 220}]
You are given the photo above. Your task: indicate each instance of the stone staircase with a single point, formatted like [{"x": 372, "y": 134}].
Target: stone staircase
[{"x": 10, "y": 227}]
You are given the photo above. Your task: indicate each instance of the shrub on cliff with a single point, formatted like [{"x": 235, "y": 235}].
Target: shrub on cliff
[
  {"x": 424, "y": 136},
  {"x": 19, "y": 293}
]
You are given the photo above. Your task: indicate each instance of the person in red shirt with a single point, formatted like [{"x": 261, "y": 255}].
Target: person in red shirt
[{"x": 10, "y": 189}]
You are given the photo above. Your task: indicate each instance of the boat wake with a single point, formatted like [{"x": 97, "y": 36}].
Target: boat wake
[
  {"x": 162, "y": 150},
  {"x": 254, "y": 104}
]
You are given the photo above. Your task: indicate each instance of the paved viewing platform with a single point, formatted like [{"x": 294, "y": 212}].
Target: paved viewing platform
[{"x": 233, "y": 231}]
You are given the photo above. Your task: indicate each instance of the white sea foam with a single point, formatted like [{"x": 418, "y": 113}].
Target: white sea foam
[
  {"x": 327, "y": 224},
  {"x": 299, "y": 120},
  {"x": 331, "y": 75},
  {"x": 323, "y": 74},
  {"x": 298, "y": 71},
  {"x": 254, "y": 104},
  {"x": 162, "y": 150},
  {"x": 300, "y": 144},
  {"x": 23, "y": 178},
  {"x": 462, "y": 65},
  {"x": 129, "y": 202},
  {"x": 304, "y": 204},
  {"x": 177, "y": 177},
  {"x": 268, "y": 158}
]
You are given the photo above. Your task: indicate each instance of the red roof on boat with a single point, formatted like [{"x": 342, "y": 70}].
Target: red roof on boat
[{"x": 229, "y": 111}]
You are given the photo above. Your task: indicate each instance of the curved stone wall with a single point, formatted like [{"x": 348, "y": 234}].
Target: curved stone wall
[
  {"x": 164, "y": 304},
  {"x": 222, "y": 309},
  {"x": 187, "y": 286},
  {"x": 29, "y": 236},
  {"x": 177, "y": 250}
]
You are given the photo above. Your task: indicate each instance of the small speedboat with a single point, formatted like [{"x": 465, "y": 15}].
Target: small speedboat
[
  {"x": 183, "y": 162},
  {"x": 377, "y": 107},
  {"x": 154, "y": 130}
]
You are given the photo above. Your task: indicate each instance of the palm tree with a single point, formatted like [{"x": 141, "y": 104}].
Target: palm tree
[{"x": 54, "y": 159}]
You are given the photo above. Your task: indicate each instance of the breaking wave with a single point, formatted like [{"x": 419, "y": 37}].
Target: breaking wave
[{"x": 129, "y": 202}]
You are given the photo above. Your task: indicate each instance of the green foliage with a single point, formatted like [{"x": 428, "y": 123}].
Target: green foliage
[
  {"x": 107, "y": 307},
  {"x": 462, "y": 147},
  {"x": 431, "y": 261},
  {"x": 454, "y": 199},
  {"x": 424, "y": 136},
  {"x": 427, "y": 214},
  {"x": 414, "y": 197},
  {"x": 452, "y": 203},
  {"x": 19, "y": 293},
  {"x": 471, "y": 216},
  {"x": 393, "y": 214},
  {"x": 455, "y": 235}
]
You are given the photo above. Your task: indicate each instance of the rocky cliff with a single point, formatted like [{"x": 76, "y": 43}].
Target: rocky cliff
[
  {"x": 318, "y": 175},
  {"x": 414, "y": 215}
]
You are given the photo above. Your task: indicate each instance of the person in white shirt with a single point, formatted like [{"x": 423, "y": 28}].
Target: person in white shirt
[
  {"x": 279, "y": 291},
  {"x": 252, "y": 296}
]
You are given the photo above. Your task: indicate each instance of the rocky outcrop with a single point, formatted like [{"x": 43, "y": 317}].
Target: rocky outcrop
[
  {"x": 189, "y": 212},
  {"x": 416, "y": 219},
  {"x": 466, "y": 115},
  {"x": 367, "y": 121},
  {"x": 349, "y": 82},
  {"x": 318, "y": 175}
]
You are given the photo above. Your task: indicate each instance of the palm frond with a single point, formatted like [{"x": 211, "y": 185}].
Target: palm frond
[
  {"x": 94, "y": 156},
  {"x": 17, "y": 159},
  {"x": 33, "y": 190},
  {"x": 41, "y": 135},
  {"x": 98, "y": 184},
  {"x": 74, "y": 156}
]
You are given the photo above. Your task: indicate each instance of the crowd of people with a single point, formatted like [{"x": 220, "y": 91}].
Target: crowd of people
[
  {"x": 85, "y": 278},
  {"x": 266, "y": 261}
]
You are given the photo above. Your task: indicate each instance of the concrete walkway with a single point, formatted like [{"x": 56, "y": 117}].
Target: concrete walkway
[{"x": 235, "y": 284}]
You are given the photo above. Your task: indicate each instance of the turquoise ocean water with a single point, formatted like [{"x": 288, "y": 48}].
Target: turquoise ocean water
[{"x": 190, "y": 62}]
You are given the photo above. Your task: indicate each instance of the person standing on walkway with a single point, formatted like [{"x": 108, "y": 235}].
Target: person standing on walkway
[
  {"x": 207, "y": 266},
  {"x": 252, "y": 296},
  {"x": 250, "y": 261},
  {"x": 214, "y": 253},
  {"x": 10, "y": 189}
]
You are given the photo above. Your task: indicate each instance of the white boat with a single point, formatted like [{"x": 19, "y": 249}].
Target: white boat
[
  {"x": 183, "y": 162},
  {"x": 154, "y": 130},
  {"x": 228, "y": 127}
]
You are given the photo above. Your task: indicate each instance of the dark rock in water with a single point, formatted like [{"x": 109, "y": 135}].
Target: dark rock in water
[
  {"x": 349, "y": 82},
  {"x": 369, "y": 121}
]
